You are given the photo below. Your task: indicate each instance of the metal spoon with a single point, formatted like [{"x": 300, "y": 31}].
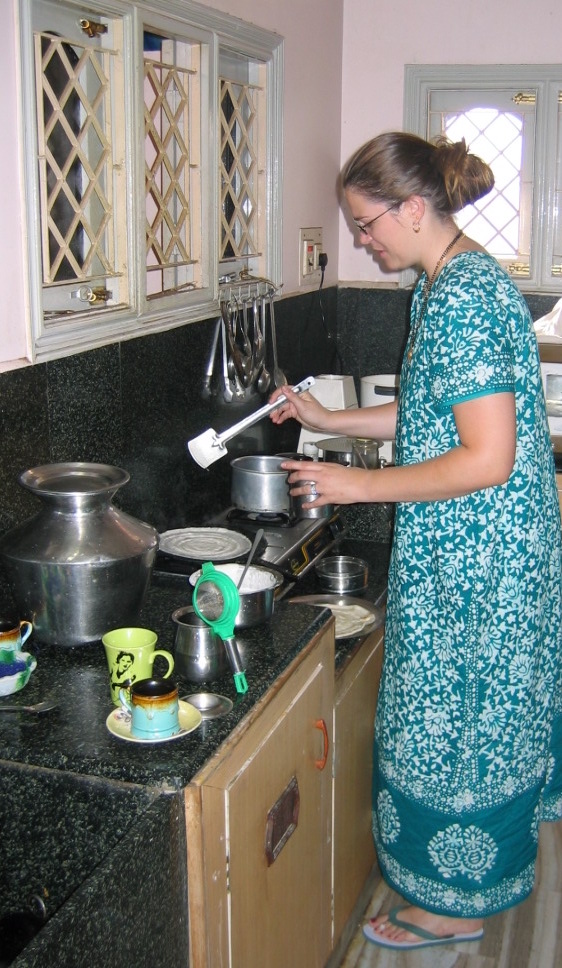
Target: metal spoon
[
  {"x": 227, "y": 393},
  {"x": 264, "y": 378},
  {"x": 279, "y": 378},
  {"x": 250, "y": 558},
  {"x": 206, "y": 392},
  {"x": 38, "y": 707}
]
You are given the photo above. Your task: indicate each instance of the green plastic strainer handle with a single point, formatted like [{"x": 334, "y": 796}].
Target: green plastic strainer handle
[{"x": 223, "y": 623}]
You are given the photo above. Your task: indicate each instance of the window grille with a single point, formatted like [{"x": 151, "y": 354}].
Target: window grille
[
  {"x": 509, "y": 115},
  {"x": 170, "y": 160},
  {"x": 239, "y": 174},
  {"x": 76, "y": 155}
]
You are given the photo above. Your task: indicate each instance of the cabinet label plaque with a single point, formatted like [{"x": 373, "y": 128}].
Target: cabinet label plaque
[{"x": 282, "y": 820}]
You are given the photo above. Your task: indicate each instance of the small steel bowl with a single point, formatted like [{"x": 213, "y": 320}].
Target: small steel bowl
[{"x": 343, "y": 574}]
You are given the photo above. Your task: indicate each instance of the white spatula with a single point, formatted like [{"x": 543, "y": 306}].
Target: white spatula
[{"x": 210, "y": 446}]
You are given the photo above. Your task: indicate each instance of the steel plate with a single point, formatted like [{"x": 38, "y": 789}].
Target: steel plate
[
  {"x": 205, "y": 544},
  {"x": 354, "y": 616}
]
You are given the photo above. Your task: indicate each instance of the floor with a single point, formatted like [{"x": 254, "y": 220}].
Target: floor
[{"x": 527, "y": 936}]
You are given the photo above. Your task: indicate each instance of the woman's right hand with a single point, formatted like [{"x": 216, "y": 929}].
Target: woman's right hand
[{"x": 300, "y": 406}]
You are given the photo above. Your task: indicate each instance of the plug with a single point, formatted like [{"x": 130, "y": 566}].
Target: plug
[{"x": 322, "y": 261}]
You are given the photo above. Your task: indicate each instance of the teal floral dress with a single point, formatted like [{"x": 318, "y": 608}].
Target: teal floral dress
[{"x": 468, "y": 738}]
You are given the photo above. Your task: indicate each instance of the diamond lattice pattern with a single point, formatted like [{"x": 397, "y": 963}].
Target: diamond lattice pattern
[
  {"x": 166, "y": 115},
  {"x": 238, "y": 170},
  {"x": 75, "y": 157},
  {"x": 497, "y": 138}
]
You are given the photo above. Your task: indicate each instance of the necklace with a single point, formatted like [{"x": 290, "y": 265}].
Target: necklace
[{"x": 426, "y": 291}]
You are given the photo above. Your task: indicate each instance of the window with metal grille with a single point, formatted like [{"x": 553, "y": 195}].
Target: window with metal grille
[
  {"x": 150, "y": 144},
  {"x": 510, "y": 116}
]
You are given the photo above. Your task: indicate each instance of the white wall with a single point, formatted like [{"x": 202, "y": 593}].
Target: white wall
[
  {"x": 312, "y": 32},
  {"x": 380, "y": 38}
]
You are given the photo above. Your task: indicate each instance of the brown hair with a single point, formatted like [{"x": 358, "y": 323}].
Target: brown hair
[{"x": 396, "y": 165}]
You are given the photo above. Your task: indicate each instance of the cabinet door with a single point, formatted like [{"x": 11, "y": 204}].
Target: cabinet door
[
  {"x": 356, "y": 700},
  {"x": 265, "y": 823}
]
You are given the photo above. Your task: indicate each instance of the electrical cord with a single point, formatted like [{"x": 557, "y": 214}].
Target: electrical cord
[{"x": 322, "y": 263}]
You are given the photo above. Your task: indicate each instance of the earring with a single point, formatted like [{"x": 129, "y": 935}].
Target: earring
[{"x": 416, "y": 227}]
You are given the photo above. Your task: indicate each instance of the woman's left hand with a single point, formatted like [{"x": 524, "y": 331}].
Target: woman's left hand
[{"x": 327, "y": 483}]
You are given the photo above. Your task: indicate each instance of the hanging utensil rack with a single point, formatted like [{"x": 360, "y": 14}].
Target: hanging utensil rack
[
  {"x": 243, "y": 300},
  {"x": 244, "y": 286}
]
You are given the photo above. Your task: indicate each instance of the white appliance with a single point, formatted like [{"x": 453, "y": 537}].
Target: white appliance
[
  {"x": 375, "y": 390},
  {"x": 552, "y": 383},
  {"x": 334, "y": 392}
]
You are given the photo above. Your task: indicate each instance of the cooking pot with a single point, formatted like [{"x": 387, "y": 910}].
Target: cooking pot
[
  {"x": 350, "y": 451},
  {"x": 259, "y": 483}
]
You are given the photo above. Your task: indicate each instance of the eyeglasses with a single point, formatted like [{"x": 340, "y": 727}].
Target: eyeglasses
[{"x": 364, "y": 229}]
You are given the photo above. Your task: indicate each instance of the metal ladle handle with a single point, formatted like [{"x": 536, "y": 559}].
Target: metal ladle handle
[{"x": 253, "y": 418}]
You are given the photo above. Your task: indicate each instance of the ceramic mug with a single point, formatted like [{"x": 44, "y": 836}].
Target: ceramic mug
[
  {"x": 153, "y": 706},
  {"x": 130, "y": 654},
  {"x": 14, "y": 634}
]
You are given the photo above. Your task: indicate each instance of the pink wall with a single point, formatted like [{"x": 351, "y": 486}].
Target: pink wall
[{"x": 380, "y": 38}]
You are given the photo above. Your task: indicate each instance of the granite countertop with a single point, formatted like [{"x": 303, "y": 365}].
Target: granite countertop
[{"x": 74, "y": 736}]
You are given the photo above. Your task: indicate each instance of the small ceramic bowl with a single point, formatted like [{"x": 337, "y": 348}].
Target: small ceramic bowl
[
  {"x": 343, "y": 574},
  {"x": 14, "y": 675}
]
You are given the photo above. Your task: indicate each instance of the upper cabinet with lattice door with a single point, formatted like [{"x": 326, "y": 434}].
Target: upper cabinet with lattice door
[{"x": 150, "y": 145}]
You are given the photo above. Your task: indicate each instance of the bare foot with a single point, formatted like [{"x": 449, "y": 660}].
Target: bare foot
[{"x": 437, "y": 924}]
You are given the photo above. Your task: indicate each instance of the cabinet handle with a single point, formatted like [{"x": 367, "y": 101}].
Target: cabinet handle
[{"x": 321, "y": 725}]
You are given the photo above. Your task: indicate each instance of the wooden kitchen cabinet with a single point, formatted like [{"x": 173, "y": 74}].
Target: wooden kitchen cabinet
[
  {"x": 357, "y": 688},
  {"x": 259, "y": 828}
]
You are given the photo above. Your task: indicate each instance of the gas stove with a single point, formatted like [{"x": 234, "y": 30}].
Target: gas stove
[{"x": 290, "y": 546}]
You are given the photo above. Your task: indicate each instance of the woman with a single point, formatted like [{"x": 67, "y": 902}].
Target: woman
[{"x": 468, "y": 738}]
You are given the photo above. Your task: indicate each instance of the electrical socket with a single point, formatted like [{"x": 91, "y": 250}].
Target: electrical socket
[{"x": 310, "y": 247}]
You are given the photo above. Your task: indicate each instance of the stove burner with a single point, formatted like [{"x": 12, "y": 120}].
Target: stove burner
[{"x": 271, "y": 518}]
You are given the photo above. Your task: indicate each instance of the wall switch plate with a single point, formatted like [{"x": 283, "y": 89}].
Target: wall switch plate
[{"x": 310, "y": 247}]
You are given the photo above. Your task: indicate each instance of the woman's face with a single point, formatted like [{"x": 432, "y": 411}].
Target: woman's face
[{"x": 382, "y": 230}]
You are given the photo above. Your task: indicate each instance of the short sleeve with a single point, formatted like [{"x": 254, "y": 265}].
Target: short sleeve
[{"x": 471, "y": 354}]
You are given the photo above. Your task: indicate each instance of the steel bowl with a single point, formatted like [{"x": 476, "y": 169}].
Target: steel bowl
[
  {"x": 343, "y": 574},
  {"x": 257, "y": 594}
]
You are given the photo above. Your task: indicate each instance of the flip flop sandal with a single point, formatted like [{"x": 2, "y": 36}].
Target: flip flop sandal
[{"x": 427, "y": 938}]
